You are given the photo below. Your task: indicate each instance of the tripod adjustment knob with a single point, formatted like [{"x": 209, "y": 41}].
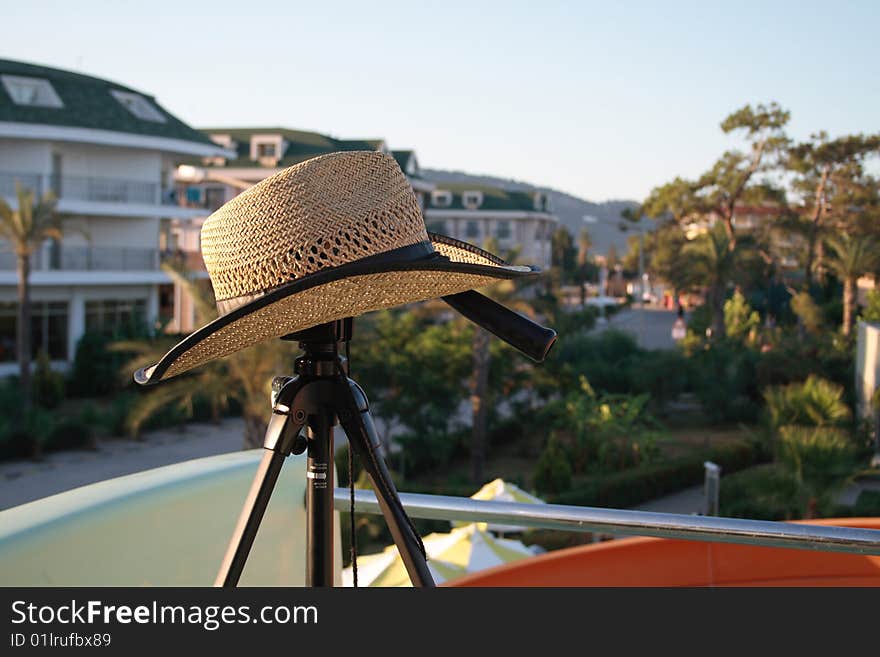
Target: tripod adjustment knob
[{"x": 278, "y": 384}]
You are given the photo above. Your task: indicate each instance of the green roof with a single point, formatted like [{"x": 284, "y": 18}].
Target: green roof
[
  {"x": 494, "y": 198},
  {"x": 403, "y": 158},
  {"x": 88, "y": 104},
  {"x": 301, "y": 144}
]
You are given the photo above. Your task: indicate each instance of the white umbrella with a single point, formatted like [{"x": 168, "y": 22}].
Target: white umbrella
[
  {"x": 502, "y": 491},
  {"x": 463, "y": 550}
]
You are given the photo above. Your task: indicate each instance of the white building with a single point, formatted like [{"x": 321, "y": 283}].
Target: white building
[
  {"x": 109, "y": 154},
  {"x": 516, "y": 220}
]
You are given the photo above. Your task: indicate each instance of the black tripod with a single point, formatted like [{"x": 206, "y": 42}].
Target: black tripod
[{"x": 320, "y": 393}]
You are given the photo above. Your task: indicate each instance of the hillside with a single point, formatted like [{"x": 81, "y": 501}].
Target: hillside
[{"x": 602, "y": 219}]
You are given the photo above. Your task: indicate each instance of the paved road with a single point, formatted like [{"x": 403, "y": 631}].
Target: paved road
[
  {"x": 25, "y": 481},
  {"x": 651, "y": 326}
]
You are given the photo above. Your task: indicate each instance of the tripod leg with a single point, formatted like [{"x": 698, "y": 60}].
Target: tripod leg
[
  {"x": 249, "y": 520},
  {"x": 354, "y": 416},
  {"x": 279, "y": 438}
]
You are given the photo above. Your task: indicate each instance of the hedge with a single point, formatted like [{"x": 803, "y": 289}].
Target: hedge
[{"x": 634, "y": 486}]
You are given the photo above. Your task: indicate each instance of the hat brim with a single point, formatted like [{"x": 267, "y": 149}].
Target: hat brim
[{"x": 332, "y": 294}]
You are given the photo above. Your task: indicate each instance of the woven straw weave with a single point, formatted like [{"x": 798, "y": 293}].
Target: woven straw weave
[
  {"x": 458, "y": 254},
  {"x": 324, "y": 212}
]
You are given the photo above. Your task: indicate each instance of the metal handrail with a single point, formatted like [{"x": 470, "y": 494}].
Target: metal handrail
[{"x": 637, "y": 523}]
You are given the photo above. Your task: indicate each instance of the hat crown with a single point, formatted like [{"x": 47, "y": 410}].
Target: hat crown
[{"x": 328, "y": 211}]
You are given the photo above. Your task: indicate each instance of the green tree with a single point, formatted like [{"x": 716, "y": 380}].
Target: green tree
[
  {"x": 730, "y": 182},
  {"x": 414, "y": 363},
  {"x": 563, "y": 256},
  {"x": 851, "y": 256},
  {"x": 711, "y": 263},
  {"x": 822, "y": 167},
  {"x": 510, "y": 294},
  {"x": 585, "y": 267},
  {"x": 26, "y": 228}
]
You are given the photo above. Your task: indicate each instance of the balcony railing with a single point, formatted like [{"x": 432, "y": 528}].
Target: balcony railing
[
  {"x": 86, "y": 258},
  {"x": 89, "y": 188},
  {"x": 635, "y": 523}
]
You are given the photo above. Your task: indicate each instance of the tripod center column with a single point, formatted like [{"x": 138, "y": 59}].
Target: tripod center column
[{"x": 319, "y": 499}]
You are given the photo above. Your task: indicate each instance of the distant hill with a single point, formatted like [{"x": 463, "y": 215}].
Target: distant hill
[{"x": 603, "y": 219}]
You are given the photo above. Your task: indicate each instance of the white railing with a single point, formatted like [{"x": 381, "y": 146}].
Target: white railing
[
  {"x": 88, "y": 188},
  {"x": 635, "y": 523},
  {"x": 85, "y": 258}
]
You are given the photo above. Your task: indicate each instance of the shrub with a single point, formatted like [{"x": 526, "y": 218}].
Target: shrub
[
  {"x": 552, "y": 471},
  {"x": 808, "y": 312},
  {"x": 782, "y": 365},
  {"x": 765, "y": 492},
  {"x": 872, "y": 308},
  {"x": 67, "y": 433},
  {"x": 610, "y": 428},
  {"x": 664, "y": 375},
  {"x": 114, "y": 418},
  {"x": 700, "y": 319},
  {"x": 868, "y": 504},
  {"x": 37, "y": 425},
  {"x": 95, "y": 371},
  {"x": 602, "y": 356},
  {"x": 815, "y": 403},
  {"x": 636, "y": 485},
  {"x": 820, "y": 457},
  {"x": 48, "y": 386},
  {"x": 739, "y": 318},
  {"x": 724, "y": 382}
]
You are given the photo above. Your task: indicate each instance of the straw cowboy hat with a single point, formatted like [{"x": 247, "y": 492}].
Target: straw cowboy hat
[{"x": 332, "y": 237}]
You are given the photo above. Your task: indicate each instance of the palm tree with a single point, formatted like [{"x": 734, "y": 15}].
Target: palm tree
[
  {"x": 26, "y": 228},
  {"x": 711, "y": 263},
  {"x": 245, "y": 376},
  {"x": 851, "y": 256}
]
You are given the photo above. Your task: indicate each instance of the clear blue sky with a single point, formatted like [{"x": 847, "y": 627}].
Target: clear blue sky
[{"x": 601, "y": 99}]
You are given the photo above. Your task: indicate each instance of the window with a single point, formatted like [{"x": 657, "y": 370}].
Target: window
[
  {"x": 437, "y": 227},
  {"x": 472, "y": 200},
  {"x": 441, "y": 198},
  {"x": 34, "y": 92},
  {"x": 266, "y": 150},
  {"x": 110, "y": 316},
  {"x": 48, "y": 330},
  {"x": 139, "y": 106},
  {"x": 502, "y": 230},
  {"x": 472, "y": 229}
]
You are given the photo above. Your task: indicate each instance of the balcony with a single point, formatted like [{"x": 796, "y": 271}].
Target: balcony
[
  {"x": 88, "y": 188},
  {"x": 86, "y": 258}
]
